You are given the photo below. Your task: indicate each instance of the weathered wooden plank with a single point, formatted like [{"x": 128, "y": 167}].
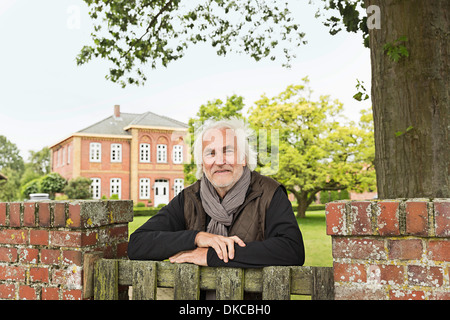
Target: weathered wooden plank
[
  {"x": 106, "y": 274},
  {"x": 187, "y": 282},
  {"x": 276, "y": 283},
  {"x": 229, "y": 284},
  {"x": 301, "y": 280},
  {"x": 88, "y": 273},
  {"x": 144, "y": 280},
  {"x": 323, "y": 283}
]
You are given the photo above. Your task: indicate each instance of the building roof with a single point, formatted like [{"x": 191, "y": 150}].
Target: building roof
[{"x": 119, "y": 125}]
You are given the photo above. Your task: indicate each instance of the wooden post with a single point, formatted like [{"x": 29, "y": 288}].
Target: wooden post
[
  {"x": 144, "y": 280},
  {"x": 187, "y": 282},
  {"x": 276, "y": 283},
  {"x": 106, "y": 280},
  {"x": 229, "y": 284},
  {"x": 322, "y": 283}
]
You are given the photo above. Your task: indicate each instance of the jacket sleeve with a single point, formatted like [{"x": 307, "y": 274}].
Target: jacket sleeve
[
  {"x": 283, "y": 243},
  {"x": 163, "y": 235}
]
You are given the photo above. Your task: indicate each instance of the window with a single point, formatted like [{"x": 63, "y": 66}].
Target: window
[
  {"x": 178, "y": 186},
  {"x": 177, "y": 154},
  {"x": 96, "y": 188},
  {"x": 161, "y": 153},
  {"x": 116, "y": 152},
  {"x": 144, "y": 188},
  {"x": 68, "y": 154},
  {"x": 144, "y": 152},
  {"x": 95, "y": 152},
  {"x": 115, "y": 187}
]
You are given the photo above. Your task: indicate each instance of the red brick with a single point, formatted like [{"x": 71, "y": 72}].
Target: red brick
[
  {"x": 7, "y": 291},
  {"x": 74, "y": 220},
  {"x": 13, "y": 273},
  {"x": 14, "y": 214},
  {"x": 416, "y": 218},
  {"x": 65, "y": 238},
  {"x": 335, "y": 218},
  {"x": 49, "y": 256},
  {"x": 27, "y": 293},
  {"x": 2, "y": 214},
  {"x": 89, "y": 238},
  {"x": 8, "y": 254},
  {"x": 439, "y": 250},
  {"x": 38, "y": 274},
  {"x": 406, "y": 295},
  {"x": 387, "y": 218},
  {"x": 358, "y": 248},
  {"x": 72, "y": 257},
  {"x": 442, "y": 218},
  {"x": 405, "y": 249},
  {"x": 361, "y": 213},
  {"x": 122, "y": 250},
  {"x": 386, "y": 274},
  {"x": 13, "y": 236},
  {"x": 50, "y": 293},
  {"x": 39, "y": 237},
  {"x": 425, "y": 276},
  {"x": 349, "y": 272},
  {"x": 118, "y": 232},
  {"x": 44, "y": 214},
  {"x": 29, "y": 214},
  {"x": 59, "y": 214},
  {"x": 72, "y": 294},
  {"x": 29, "y": 255}
]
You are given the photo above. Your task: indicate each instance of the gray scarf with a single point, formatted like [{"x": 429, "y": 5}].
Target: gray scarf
[{"x": 222, "y": 213}]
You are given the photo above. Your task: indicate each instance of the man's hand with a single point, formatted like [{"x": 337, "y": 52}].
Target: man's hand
[
  {"x": 197, "y": 256},
  {"x": 224, "y": 246}
]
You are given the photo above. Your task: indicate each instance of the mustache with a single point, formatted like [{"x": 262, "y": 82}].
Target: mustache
[{"x": 224, "y": 168}]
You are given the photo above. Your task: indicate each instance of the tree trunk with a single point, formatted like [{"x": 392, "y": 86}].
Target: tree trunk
[{"x": 412, "y": 93}]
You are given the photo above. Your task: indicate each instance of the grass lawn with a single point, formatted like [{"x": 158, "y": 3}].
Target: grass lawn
[{"x": 317, "y": 243}]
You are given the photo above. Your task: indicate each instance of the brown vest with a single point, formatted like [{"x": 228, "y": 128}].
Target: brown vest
[{"x": 248, "y": 222}]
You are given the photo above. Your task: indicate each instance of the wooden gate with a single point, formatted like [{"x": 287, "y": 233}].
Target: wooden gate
[{"x": 275, "y": 283}]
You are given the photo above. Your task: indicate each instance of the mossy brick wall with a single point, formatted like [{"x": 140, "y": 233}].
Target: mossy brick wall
[
  {"x": 390, "y": 249},
  {"x": 43, "y": 245}
]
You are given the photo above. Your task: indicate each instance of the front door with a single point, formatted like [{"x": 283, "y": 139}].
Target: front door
[{"x": 161, "y": 192}]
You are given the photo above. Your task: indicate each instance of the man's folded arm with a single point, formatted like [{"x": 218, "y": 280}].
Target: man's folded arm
[{"x": 163, "y": 235}]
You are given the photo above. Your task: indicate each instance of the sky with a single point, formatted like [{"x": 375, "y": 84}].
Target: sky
[{"x": 45, "y": 96}]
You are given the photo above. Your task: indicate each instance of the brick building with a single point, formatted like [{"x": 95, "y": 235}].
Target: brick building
[{"x": 135, "y": 156}]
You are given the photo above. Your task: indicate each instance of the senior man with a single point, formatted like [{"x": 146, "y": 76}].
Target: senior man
[{"x": 232, "y": 216}]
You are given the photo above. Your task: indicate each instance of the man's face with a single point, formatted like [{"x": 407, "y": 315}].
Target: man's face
[{"x": 220, "y": 159}]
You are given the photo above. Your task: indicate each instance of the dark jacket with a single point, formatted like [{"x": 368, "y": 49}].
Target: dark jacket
[{"x": 278, "y": 240}]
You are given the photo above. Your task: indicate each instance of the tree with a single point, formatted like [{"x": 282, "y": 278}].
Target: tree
[
  {"x": 79, "y": 188},
  {"x": 10, "y": 156},
  {"x": 52, "y": 183},
  {"x": 215, "y": 109},
  {"x": 158, "y": 32},
  {"x": 409, "y": 47},
  {"x": 318, "y": 150}
]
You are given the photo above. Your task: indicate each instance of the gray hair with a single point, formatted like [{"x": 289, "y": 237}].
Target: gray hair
[{"x": 246, "y": 141}]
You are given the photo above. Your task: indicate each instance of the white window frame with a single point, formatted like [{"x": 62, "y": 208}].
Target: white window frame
[
  {"x": 95, "y": 152},
  {"x": 115, "y": 187},
  {"x": 68, "y": 153},
  {"x": 144, "y": 152},
  {"x": 116, "y": 152},
  {"x": 177, "y": 154},
  {"x": 161, "y": 153},
  {"x": 178, "y": 186},
  {"x": 96, "y": 188},
  {"x": 144, "y": 188}
]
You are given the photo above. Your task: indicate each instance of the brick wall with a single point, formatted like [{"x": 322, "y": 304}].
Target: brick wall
[
  {"x": 44, "y": 246},
  {"x": 390, "y": 249}
]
